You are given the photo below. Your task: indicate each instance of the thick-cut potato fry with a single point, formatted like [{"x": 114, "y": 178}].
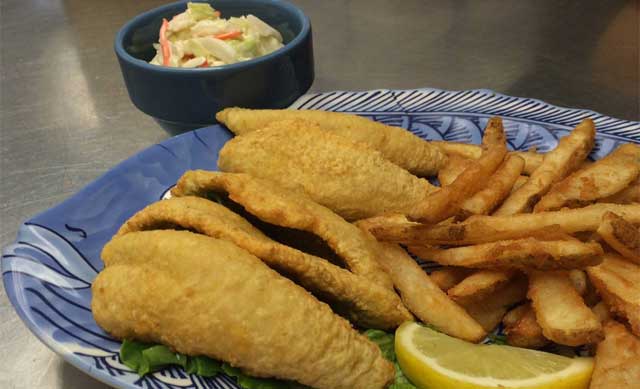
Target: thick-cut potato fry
[
  {"x": 629, "y": 195},
  {"x": 617, "y": 364},
  {"x": 496, "y": 189},
  {"x": 603, "y": 178},
  {"x": 618, "y": 283},
  {"x": 528, "y": 253},
  {"x": 578, "y": 279},
  {"x": 560, "y": 310},
  {"x": 447, "y": 277},
  {"x": 452, "y": 169},
  {"x": 514, "y": 314},
  {"x": 478, "y": 285},
  {"x": 525, "y": 331},
  {"x": 482, "y": 228},
  {"x": 446, "y": 202},
  {"x": 424, "y": 298},
  {"x": 621, "y": 235},
  {"x": 557, "y": 164},
  {"x": 396, "y": 144},
  {"x": 601, "y": 311},
  {"x": 470, "y": 151},
  {"x": 490, "y": 310}
]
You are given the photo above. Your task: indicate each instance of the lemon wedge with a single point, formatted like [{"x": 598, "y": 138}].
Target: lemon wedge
[{"x": 431, "y": 360}]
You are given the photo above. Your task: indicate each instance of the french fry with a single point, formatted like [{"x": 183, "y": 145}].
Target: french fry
[
  {"x": 470, "y": 151},
  {"x": 447, "y": 277},
  {"x": 557, "y": 164},
  {"x": 446, "y": 202},
  {"x": 490, "y": 310},
  {"x": 452, "y": 169},
  {"x": 519, "y": 182},
  {"x": 424, "y": 298},
  {"x": 514, "y": 314},
  {"x": 629, "y": 195},
  {"x": 496, "y": 189},
  {"x": 578, "y": 279},
  {"x": 560, "y": 310},
  {"x": 601, "y": 311},
  {"x": 527, "y": 253},
  {"x": 525, "y": 331},
  {"x": 618, "y": 283},
  {"x": 601, "y": 179},
  {"x": 483, "y": 229},
  {"x": 621, "y": 235},
  {"x": 617, "y": 362},
  {"x": 479, "y": 285}
]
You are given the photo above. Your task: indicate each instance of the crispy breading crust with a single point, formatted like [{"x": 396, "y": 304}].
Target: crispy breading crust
[
  {"x": 360, "y": 300},
  {"x": 275, "y": 205},
  {"x": 350, "y": 178},
  {"x": 204, "y": 296},
  {"x": 396, "y": 144}
]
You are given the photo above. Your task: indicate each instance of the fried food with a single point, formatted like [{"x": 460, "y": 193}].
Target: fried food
[
  {"x": 446, "y": 202},
  {"x": 448, "y": 276},
  {"x": 204, "y": 296},
  {"x": 532, "y": 160},
  {"x": 601, "y": 311},
  {"x": 621, "y": 235},
  {"x": 601, "y": 179},
  {"x": 355, "y": 297},
  {"x": 514, "y": 314},
  {"x": 483, "y": 229},
  {"x": 579, "y": 281},
  {"x": 618, "y": 283},
  {"x": 560, "y": 311},
  {"x": 557, "y": 164},
  {"x": 452, "y": 169},
  {"x": 423, "y": 297},
  {"x": 496, "y": 189},
  {"x": 394, "y": 143},
  {"x": 617, "y": 363},
  {"x": 292, "y": 209},
  {"x": 490, "y": 310},
  {"x": 527, "y": 253},
  {"x": 349, "y": 178},
  {"x": 629, "y": 195},
  {"x": 524, "y": 331},
  {"x": 478, "y": 285}
]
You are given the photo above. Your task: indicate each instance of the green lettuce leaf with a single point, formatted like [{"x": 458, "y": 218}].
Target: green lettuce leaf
[{"x": 386, "y": 343}]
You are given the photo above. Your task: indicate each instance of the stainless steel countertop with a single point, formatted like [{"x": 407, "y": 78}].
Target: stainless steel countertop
[{"x": 66, "y": 117}]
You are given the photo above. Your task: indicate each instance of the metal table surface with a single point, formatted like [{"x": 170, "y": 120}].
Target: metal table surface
[{"x": 66, "y": 117}]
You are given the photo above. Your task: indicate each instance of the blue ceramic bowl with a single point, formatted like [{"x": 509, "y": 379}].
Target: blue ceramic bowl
[{"x": 182, "y": 99}]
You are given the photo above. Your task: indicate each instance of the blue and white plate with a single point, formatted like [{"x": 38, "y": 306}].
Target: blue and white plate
[{"x": 48, "y": 271}]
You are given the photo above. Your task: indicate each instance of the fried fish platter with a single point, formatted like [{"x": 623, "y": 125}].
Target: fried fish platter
[
  {"x": 394, "y": 143},
  {"x": 362, "y": 301},
  {"x": 292, "y": 209},
  {"x": 347, "y": 177},
  {"x": 204, "y": 296}
]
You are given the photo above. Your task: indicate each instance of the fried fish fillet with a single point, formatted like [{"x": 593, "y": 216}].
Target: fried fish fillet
[
  {"x": 204, "y": 296},
  {"x": 293, "y": 209},
  {"x": 360, "y": 300},
  {"x": 617, "y": 363},
  {"x": 396, "y": 144},
  {"x": 347, "y": 177}
]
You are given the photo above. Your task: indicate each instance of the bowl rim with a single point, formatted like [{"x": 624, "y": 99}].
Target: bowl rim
[{"x": 125, "y": 56}]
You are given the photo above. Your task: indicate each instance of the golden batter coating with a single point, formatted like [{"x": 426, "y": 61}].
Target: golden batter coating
[
  {"x": 204, "y": 296},
  {"x": 360, "y": 300}
]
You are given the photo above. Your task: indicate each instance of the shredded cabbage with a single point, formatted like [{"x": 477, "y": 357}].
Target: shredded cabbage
[{"x": 200, "y": 37}]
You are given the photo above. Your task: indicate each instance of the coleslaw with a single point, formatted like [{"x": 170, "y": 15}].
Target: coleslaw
[{"x": 201, "y": 37}]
